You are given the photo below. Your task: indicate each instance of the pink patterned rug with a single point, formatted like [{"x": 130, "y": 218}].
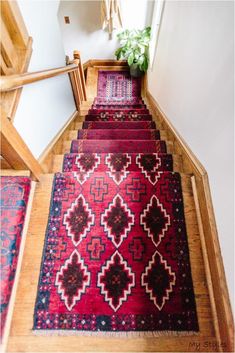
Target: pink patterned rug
[
  {"x": 116, "y": 258},
  {"x": 14, "y": 197},
  {"x": 118, "y": 85}
]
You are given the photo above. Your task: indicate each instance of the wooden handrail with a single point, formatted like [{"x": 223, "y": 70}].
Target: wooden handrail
[{"x": 8, "y": 83}]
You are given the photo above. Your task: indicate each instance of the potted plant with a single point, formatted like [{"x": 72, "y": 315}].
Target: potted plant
[{"x": 135, "y": 49}]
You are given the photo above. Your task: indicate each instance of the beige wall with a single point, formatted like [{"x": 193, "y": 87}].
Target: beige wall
[
  {"x": 84, "y": 32},
  {"x": 192, "y": 79},
  {"x": 44, "y": 106}
]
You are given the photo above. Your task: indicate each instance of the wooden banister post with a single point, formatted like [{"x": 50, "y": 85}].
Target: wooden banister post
[
  {"x": 76, "y": 55},
  {"x": 15, "y": 151}
]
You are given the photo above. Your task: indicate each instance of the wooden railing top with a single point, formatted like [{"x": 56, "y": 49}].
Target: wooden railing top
[{"x": 11, "y": 82}]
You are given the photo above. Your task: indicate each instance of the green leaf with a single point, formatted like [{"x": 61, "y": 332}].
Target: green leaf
[
  {"x": 141, "y": 60},
  {"x": 134, "y": 46},
  {"x": 144, "y": 66},
  {"x": 130, "y": 59}
]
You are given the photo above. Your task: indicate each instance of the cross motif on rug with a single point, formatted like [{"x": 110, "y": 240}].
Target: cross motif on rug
[
  {"x": 99, "y": 189},
  {"x": 95, "y": 248},
  {"x": 135, "y": 189}
]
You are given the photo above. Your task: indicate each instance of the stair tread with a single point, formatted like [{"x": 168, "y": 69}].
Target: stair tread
[
  {"x": 118, "y": 146},
  {"x": 148, "y": 134}
]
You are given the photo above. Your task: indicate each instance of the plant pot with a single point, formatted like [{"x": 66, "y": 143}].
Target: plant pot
[{"x": 135, "y": 71}]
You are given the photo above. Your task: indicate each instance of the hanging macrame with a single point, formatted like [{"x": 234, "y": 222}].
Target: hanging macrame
[{"x": 111, "y": 15}]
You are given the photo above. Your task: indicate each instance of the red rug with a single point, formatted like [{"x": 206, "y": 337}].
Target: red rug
[
  {"x": 118, "y": 85},
  {"x": 14, "y": 198},
  {"x": 116, "y": 257},
  {"x": 119, "y": 134},
  {"x": 115, "y": 146},
  {"x": 119, "y": 125}
]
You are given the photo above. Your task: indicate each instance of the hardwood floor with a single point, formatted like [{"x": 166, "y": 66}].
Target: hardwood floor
[{"x": 22, "y": 338}]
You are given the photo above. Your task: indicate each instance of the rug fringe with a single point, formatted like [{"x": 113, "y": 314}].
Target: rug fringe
[{"x": 114, "y": 334}]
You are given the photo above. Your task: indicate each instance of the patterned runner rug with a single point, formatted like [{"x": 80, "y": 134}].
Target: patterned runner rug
[
  {"x": 14, "y": 197},
  {"x": 117, "y": 85},
  {"x": 116, "y": 258}
]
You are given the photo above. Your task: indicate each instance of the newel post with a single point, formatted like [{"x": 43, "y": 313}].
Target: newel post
[
  {"x": 76, "y": 56},
  {"x": 77, "y": 79}
]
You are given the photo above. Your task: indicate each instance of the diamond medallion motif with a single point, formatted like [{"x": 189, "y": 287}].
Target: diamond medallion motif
[
  {"x": 78, "y": 220},
  {"x": 118, "y": 164},
  {"x": 149, "y": 164},
  {"x": 117, "y": 220},
  {"x": 158, "y": 280},
  {"x": 115, "y": 281},
  {"x": 155, "y": 220},
  {"x": 72, "y": 280},
  {"x": 86, "y": 163}
]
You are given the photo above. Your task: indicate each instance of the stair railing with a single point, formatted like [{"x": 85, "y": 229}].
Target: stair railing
[
  {"x": 74, "y": 68},
  {"x": 11, "y": 142},
  {"x": 77, "y": 78}
]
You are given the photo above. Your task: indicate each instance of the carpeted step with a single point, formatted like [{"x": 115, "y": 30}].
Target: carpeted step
[
  {"x": 58, "y": 159},
  {"x": 118, "y": 163},
  {"x": 119, "y": 125},
  {"x": 119, "y": 110},
  {"x": 118, "y": 134},
  {"x": 118, "y": 117},
  {"x": 118, "y": 106},
  {"x": 106, "y": 146},
  {"x": 118, "y": 101},
  {"x": 116, "y": 85}
]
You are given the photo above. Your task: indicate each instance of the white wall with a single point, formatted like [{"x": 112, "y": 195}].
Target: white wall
[
  {"x": 84, "y": 32},
  {"x": 192, "y": 80},
  {"x": 44, "y": 106}
]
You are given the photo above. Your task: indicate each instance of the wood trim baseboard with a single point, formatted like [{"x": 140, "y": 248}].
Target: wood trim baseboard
[
  {"x": 18, "y": 269},
  {"x": 205, "y": 256},
  {"x": 224, "y": 325},
  {"x": 107, "y": 62},
  {"x": 45, "y": 157}
]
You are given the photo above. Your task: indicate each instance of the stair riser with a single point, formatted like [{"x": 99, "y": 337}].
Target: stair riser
[
  {"x": 118, "y": 134},
  {"x": 58, "y": 163},
  {"x": 72, "y": 135},
  {"x": 65, "y": 148}
]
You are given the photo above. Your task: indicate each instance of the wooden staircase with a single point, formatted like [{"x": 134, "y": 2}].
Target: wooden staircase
[{"x": 21, "y": 336}]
